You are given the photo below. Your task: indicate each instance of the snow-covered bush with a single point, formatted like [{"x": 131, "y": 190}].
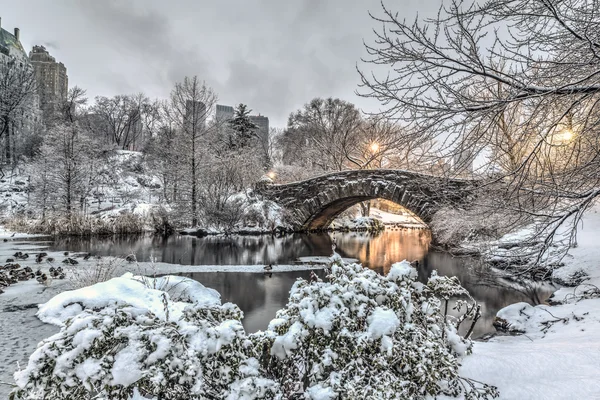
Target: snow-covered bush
[
  {"x": 194, "y": 350},
  {"x": 363, "y": 335},
  {"x": 356, "y": 335}
]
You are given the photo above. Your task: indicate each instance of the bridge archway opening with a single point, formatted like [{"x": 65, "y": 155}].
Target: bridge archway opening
[{"x": 390, "y": 212}]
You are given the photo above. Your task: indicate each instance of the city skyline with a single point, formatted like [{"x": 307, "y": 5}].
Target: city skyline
[{"x": 273, "y": 57}]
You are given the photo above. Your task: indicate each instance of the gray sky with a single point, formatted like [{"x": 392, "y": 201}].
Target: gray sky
[{"x": 274, "y": 55}]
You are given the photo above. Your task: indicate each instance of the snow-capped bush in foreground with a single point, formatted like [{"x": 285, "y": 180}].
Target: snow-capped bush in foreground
[
  {"x": 363, "y": 335},
  {"x": 356, "y": 335},
  {"x": 109, "y": 348}
]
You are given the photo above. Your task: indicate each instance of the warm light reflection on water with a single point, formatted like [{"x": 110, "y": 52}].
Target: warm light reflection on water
[{"x": 380, "y": 251}]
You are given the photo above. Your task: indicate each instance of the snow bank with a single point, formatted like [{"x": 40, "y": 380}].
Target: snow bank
[
  {"x": 557, "y": 355},
  {"x": 141, "y": 293}
]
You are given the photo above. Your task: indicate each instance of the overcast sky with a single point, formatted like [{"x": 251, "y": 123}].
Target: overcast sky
[{"x": 274, "y": 55}]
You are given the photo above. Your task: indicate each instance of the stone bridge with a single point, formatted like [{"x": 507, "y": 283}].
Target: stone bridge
[{"x": 314, "y": 203}]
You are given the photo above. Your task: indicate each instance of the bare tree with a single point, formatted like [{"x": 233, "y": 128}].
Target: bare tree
[
  {"x": 519, "y": 79},
  {"x": 189, "y": 107},
  {"x": 65, "y": 169},
  {"x": 322, "y": 134},
  {"x": 121, "y": 119}
]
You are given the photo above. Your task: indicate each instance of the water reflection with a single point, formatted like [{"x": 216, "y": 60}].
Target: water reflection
[{"x": 260, "y": 296}]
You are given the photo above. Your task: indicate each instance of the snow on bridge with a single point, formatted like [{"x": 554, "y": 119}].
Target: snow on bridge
[{"x": 314, "y": 203}]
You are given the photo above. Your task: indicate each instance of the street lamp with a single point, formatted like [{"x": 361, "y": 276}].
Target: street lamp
[{"x": 374, "y": 147}]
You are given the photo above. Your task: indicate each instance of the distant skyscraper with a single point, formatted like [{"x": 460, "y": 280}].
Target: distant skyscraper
[
  {"x": 223, "y": 113},
  {"x": 195, "y": 114},
  {"x": 463, "y": 161},
  {"x": 52, "y": 79},
  {"x": 263, "y": 127}
]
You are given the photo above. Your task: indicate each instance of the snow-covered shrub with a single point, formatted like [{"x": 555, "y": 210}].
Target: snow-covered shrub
[
  {"x": 183, "y": 351},
  {"x": 227, "y": 216},
  {"x": 357, "y": 335},
  {"x": 363, "y": 335}
]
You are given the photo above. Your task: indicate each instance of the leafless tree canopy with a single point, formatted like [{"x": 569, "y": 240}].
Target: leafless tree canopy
[
  {"x": 333, "y": 135},
  {"x": 515, "y": 80}
]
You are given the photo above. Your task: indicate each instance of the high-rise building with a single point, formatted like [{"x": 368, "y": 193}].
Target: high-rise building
[
  {"x": 195, "y": 114},
  {"x": 463, "y": 161},
  {"x": 263, "y": 127},
  {"x": 223, "y": 113},
  {"x": 10, "y": 46},
  {"x": 19, "y": 106},
  {"x": 51, "y": 76}
]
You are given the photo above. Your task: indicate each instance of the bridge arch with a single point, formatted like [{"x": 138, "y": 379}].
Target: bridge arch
[{"x": 314, "y": 203}]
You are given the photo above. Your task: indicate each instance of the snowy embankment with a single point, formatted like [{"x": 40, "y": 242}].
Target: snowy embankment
[
  {"x": 557, "y": 354},
  {"x": 128, "y": 197}
]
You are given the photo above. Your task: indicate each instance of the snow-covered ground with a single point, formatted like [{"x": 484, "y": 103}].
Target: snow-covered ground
[
  {"x": 404, "y": 220},
  {"x": 558, "y": 355}
]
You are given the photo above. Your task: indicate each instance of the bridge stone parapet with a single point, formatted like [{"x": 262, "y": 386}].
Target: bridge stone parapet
[{"x": 314, "y": 203}]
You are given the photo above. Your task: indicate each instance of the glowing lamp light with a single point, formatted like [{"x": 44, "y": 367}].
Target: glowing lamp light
[
  {"x": 564, "y": 137},
  {"x": 271, "y": 175},
  {"x": 567, "y": 135},
  {"x": 374, "y": 147}
]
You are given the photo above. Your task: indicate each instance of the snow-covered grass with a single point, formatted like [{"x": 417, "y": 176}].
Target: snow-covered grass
[{"x": 83, "y": 225}]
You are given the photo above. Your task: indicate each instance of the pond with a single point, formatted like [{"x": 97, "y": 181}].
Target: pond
[{"x": 261, "y": 295}]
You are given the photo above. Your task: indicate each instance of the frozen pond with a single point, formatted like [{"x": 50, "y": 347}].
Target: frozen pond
[{"x": 261, "y": 295}]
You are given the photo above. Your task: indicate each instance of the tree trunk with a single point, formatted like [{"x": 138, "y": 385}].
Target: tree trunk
[{"x": 365, "y": 208}]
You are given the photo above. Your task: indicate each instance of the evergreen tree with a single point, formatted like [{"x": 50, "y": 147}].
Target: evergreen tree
[{"x": 242, "y": 128}]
